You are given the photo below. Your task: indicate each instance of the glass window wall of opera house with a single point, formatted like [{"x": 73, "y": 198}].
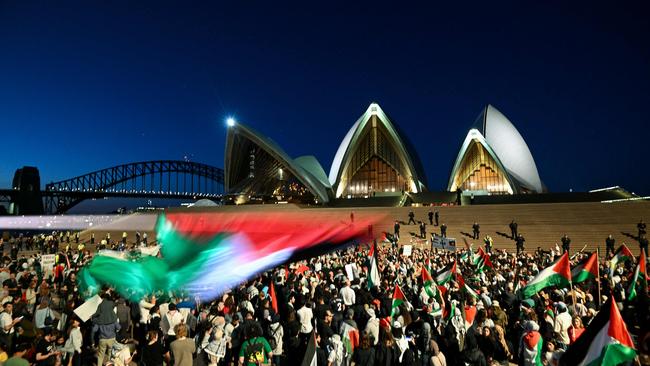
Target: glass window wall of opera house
[{"x": 376, "y": 159}]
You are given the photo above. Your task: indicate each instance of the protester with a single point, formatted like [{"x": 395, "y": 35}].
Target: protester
[{"x": 475, "y": 316}]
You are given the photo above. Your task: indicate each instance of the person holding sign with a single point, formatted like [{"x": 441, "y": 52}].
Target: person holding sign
[{"x": 7, "y": 322}]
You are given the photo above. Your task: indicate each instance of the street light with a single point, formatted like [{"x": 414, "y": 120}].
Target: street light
[{"x": 230, "y": 121}]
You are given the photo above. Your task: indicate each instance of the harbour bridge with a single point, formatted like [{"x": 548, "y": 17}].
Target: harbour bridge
[{"x": 148, "y": 179}]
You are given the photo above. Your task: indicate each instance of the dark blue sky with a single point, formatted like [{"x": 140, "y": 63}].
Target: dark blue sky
[{"x": 89, "y": 85}]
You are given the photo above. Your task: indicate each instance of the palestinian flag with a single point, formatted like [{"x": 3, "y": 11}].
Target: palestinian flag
[
  {"x": 350, "y": 337},
  {"x": 623, "y": 254},
  {"x": 427, "y": 282},
  {"x": 373, "y": 275},
  {"x": 558, "y": 274},
  {"x": 586, "y": 270},
  {"x": 427, "y": 264},
  {"x": 398, "y": 299},
  {"x": 449, "y": 312},
  {"x": 482, "y": 260},
  {"x": 640, "y": 275},
  {"x": 464, "y": 286},
  {"x": 310, "y": 354},
  {"x": 469, "y": 314},
  {"x": 203, "y": 254},
  {"x": 432, "y": 290},
  {"x": 447, "y": 275},
  {"x": 533, "y": 346},
  {"x": 606, "y": 341},
  {"x": 468, "y": 254}
]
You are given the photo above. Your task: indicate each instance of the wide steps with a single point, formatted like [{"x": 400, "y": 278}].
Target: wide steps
[{"x": 541, "y": 224}]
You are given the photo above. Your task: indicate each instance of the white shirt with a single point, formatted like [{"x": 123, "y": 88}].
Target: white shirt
[
  {"x": 144, "y": 311},
  {"x": 305, "y": 315},
  {"x": 348, "y": 296},
  {"x": 173, "y": 318},
  {"x": 562, "y": 324},
  {"x": 6, "y": 320}
]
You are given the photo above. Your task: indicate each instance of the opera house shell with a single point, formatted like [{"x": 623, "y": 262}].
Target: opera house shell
[
  {"x": 375, "y": 158},
  {"x": 494, "y": 159},
  {"x": 256, "y": 166}
]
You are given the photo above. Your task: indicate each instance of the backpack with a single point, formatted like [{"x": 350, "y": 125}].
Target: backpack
[
  {"x": 254, "y": 352},
  {"x": 271, "y": 336}
]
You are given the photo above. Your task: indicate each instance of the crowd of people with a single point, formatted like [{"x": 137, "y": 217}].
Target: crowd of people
[{"x": 328, "y": 300}]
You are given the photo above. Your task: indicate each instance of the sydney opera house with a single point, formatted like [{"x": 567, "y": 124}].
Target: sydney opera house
[{"x": 375, "y": 159}]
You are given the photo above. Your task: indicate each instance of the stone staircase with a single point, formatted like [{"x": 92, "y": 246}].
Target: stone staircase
[{"x": 542, "y": 224}]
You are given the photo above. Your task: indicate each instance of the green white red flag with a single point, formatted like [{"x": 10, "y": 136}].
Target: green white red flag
[
  {"x": 373, "y": 275},
  {"x": 466, "y": 287},
  {"x": 429, "y": 285},
  {"x": 533, "y": 346},
  {"x": 640, "y": 278},
  {"x": 468, "y": 254},
  {"x": 482, "y": 260},
  {"x": 447, "y": 275},
  {"x": 449, "y": 312},
  {"x": 622, "y": 254},
  {"x": 350, "y": 337},
  {"x": 557, "y": 274},
  {"x": 398, "y": 299},
  {"x": 431, "y": 288},
  {"x": 606, "y": 341},
  {"x": 310, "y": 358},
  {"x": 586, "y": 270}
]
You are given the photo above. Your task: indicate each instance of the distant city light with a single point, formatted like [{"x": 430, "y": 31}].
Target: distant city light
[{"x": 230, "y": 121}]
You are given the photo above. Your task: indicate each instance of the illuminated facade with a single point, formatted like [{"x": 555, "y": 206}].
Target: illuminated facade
[
  {"x": 375, "y": 158},
  {"x": 494, "y": 159},
  {"x": 256, "y": 167}
]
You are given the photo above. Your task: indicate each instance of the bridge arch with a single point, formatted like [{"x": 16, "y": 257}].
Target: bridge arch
[{"x": 156, "y": 179}]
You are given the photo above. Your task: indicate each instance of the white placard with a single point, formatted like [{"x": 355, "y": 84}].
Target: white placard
[
  {"x": 349, "y": 272},
  {"x": 47, "y": 263},
  {"x": 317, "y": 267},
  {"x": 407, "y": 250},
  {"x": 352, "y": 271},
  {"x": 443, "y": 243},
  {"x": 88, "y": 308}
]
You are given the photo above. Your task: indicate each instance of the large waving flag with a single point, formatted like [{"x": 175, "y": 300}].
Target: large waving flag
[
  {"x": 447, "y": 275},
  {"x": 606, "y": 341},
  {"x": 586, "y": 270},
  {"x": 205, "y": 254},
  {"x": 373, "y": 275},
  {"x": 623, "y": 254},
  {"x": 558, "y": 274},
  {"x": 640, "y": 276},
  {"x": 482, "y": 260}
]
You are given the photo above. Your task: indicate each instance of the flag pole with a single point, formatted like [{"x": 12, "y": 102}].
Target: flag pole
[
  {"x": 573, "y": 295},
  {"x": 598, "y": 274}
]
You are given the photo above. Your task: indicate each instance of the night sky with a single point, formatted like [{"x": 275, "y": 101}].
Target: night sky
[{"x": 93, "y": 84}]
